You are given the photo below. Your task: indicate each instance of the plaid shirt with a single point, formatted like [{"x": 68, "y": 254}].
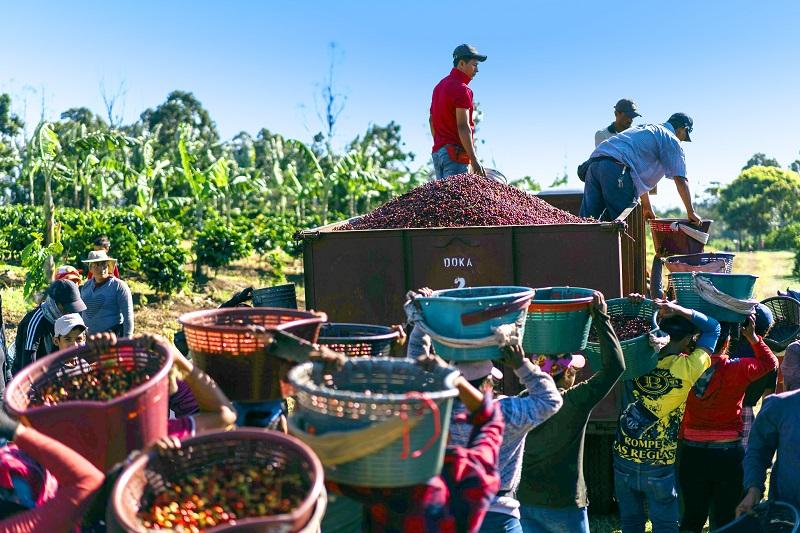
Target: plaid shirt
[{"x": 454, "y": 501}]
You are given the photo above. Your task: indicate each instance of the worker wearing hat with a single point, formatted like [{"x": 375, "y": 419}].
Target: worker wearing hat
[
  {"x": 628, "y": 165},
  {"x": 451, "y": 120},
  {"x": 109, "y": 304},
  {"x": 552, "y": 492},
  {"x": 521, "y": 414},
  {"x": 624, "y": 113},
  {"x": 69, "y": 331}
]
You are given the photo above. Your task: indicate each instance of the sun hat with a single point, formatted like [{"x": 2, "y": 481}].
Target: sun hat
[
  {"x": 474, "y": 370},
  {"x": 96, "y": 256}
]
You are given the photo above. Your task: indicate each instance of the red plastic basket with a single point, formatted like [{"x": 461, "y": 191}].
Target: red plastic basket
[
  {"x": 223, "y": 345},
  {"x": 104, "y": 432},
  {"x": 669, "y": 240},
  {"x": 148, "y": 475}
]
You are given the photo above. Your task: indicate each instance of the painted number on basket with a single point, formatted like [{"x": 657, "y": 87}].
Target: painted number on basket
[{"x": 459, "y": 283}]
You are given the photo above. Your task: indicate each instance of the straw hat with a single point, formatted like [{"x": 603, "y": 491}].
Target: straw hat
[{"x": 95, "y": 256}]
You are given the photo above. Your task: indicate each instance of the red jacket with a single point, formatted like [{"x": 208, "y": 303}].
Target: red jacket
[{"x": 716, "y": 415}]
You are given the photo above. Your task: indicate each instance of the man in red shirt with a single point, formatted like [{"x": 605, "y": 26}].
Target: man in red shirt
[
  {"x": 451, "y": 121},
  {"x": 711, "y": 470}
]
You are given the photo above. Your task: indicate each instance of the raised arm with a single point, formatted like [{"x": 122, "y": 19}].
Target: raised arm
[{"x": 543, "y": 399}]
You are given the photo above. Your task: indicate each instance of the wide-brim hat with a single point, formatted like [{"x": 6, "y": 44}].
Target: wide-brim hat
[{"x": 96, "y": 256}]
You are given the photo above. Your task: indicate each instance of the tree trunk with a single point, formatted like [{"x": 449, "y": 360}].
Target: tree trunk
[
  {"x": 32, "y": 186},
  {"x": 87, "y": 194},
  {"x": 49, "y": 226}
]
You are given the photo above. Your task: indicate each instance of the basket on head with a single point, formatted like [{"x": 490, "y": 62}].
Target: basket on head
[
  {"x": 640, "y": 357},
  {"x": 707, "y": 262},
  {"x": 278, "y": 296},
  {"x": 358, "y": 339},
  {"x": 558, "y": 320},
  {"x": 767, "y": 517},
  {"x": 670, "y": 239},
  {"x": 472, "y": 314},
  {"x": 104, "y": 432},
  {"x": 786, "y": 330},
  {"x": 149, "y": 475},
  {"x": 739, "y": 286},
  {"x": 223, "y": 345},
  {"x": 375, "y": 390}
]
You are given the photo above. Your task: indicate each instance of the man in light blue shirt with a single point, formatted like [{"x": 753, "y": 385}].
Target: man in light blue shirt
[{"x": 628, "y": 166}]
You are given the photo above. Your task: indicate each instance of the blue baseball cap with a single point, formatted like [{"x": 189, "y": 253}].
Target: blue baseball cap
[
  {"x": 764, "y": 319},
  {"x": 682, "y": 120}
]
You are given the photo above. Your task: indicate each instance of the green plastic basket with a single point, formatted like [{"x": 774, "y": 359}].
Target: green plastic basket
[
  {"x": 640, "y": 357},
  {"x": 739, "y": 286},
  {"x": 558, "y": 321},
  {"x": 370, "y": 390}
]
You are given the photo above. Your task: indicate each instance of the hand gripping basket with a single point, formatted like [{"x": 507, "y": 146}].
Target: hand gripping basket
[
  {"x": 149, "y": 475},
  {"x": 673, "y": 236},
  {"x": 104, "y": 432},
  {"x": 356, "y": 340},
  {"x": 558, "y": 321},
  {"x": 786, "y": 312},
  {"x": 223, "y": 345},
  {"x": 710, "y": 262},
  {"x": 369, "y": 391},
  {"x": 640, "y": 357},
  {"x": 739, "y": 286},
  {"x": 471, "y": 314},
  {"x": 768, "y": 517}
]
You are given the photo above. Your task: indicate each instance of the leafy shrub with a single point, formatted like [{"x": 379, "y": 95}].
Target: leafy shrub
[
  {"x": 163, "y": 259},
  {"x": 784, "y": 238},
  {"x": 219, "y": 244},
  {"x": 33, "y": 259}
]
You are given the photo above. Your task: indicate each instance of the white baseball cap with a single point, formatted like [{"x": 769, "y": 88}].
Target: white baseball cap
[
  {"x": 474, "y": 370},
  {"x": 67, "y": 323}
]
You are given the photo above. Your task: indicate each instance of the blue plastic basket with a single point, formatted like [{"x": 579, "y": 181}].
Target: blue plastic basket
[
  {"x": 472, "y": 314},
  {"x": 739, "y": 286},
  {"x": 558, "y": 321},
  {"x": 370, "y": 390}
]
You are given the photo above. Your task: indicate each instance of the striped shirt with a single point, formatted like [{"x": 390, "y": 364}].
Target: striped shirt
[{"x": 34, "y": 339}]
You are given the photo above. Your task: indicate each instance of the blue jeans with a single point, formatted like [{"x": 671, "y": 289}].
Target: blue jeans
[
  {"x": 500, "y": 523},
  {"x": 444, "y": 166},
  {"x": 636, "y": 483},
  {"x": 537, "y": 519},
  {"x": 259, "y": 414},
  {"x": 608, "y": 191}
]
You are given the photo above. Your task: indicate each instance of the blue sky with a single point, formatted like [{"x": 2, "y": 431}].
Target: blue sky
[{"x": 555, "y": 69}]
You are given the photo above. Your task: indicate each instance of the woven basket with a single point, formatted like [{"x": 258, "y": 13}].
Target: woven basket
[
  {"x": 356, "y": 340},
  {"x": 372, "y": 390},
  {"x": 277, "y": 296},
  {"x": 671, "y": 241},
  {"x": 447, "y": 313},
  {"x": 700, "y": 262},
  {"x": 558, "y": 321},
  {"x": 739, "y": 286},
  {"x": 223, "y": 345},
  {"x": 640, "y": 357},
  {"x": 104, "y": 432},
  {"x": 786, "y": 312},
  {"x": 149, "y": 474},
  {"x": 767, "y": 517}
]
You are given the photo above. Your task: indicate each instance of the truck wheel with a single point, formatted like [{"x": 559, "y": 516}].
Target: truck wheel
[{"x": 599, "y": 473}]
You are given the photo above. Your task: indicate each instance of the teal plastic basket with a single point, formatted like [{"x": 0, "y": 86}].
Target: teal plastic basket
[
  {"x": 739, "y": 286},
  {"x": 558, "y": 321},
  {"x": 472, "y": 314},
  {"x": 370, "y": 390},
  {"x": 640, "y": 357},
  {"x": 343, "y": 515}
]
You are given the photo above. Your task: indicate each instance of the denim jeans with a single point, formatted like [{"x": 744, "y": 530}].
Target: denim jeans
[
  {"x": 636, "y": 483},
  {"x": 444, "y": 166},
  {"x": 500, "y": 523},
  {"x": 537, "y": 519},
  {"x": 259, "y": 414},
  {"x": 608, "y": 191}
]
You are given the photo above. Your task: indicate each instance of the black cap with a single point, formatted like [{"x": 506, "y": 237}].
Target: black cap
[
  {"x": 66, "y": 294},
  {"x": 628, "y": 107},
  {"x": 467, "y": 51},
  {"x": 682, "y": 120}
]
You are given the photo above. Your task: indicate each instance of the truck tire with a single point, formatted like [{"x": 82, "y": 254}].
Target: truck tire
[{"x": 599, "y": 473}]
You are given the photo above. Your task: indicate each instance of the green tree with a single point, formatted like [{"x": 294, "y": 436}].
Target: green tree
[
  {"x": 760, "y": 199},
  {"x": 761, "y": 160}
]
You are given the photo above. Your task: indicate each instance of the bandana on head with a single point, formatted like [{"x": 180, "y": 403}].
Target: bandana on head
[{"x": 555, "y": 366}]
